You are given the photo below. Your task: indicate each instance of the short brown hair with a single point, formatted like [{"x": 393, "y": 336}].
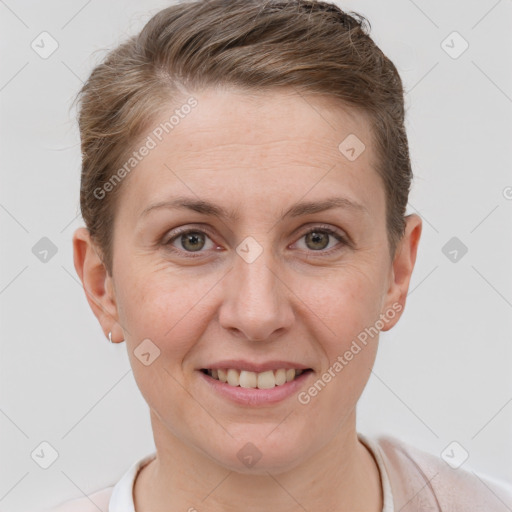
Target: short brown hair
[{"x": 254, "y": 45}]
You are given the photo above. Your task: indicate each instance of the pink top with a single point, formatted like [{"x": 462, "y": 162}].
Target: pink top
[{"x": 412, "y": 481}]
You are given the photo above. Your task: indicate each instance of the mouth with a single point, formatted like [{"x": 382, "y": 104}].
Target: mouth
[{"x": 256, "y": 380}]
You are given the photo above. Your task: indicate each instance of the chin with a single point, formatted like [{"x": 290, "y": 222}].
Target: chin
[{"x": 261, "y": 450}]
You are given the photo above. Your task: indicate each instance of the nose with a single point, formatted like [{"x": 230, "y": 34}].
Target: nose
[{"x": 256, "y": 303}]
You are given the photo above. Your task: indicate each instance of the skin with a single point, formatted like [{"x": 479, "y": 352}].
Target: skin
[{"x": 256, "y": 155}]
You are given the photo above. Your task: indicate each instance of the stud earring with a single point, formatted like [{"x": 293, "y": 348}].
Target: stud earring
[{"x": 110, "y": 337}]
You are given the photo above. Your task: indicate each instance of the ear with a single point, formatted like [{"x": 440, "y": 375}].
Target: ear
[
  {"x": 401, "y": 269},
  {"x": 98, "y": 285}
]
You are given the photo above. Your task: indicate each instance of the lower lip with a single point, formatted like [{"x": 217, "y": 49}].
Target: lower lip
[{"x": 255, "y": 396}]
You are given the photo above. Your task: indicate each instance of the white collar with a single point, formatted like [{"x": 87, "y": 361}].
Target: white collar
[
  {"x": 121, "y": 499},
  {"x": 387, "y": 494}
]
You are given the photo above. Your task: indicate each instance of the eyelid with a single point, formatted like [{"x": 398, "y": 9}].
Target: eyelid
[{"x": 186, "y": 229}]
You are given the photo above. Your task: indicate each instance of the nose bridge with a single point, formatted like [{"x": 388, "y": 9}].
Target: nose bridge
[
  {"x": 256, "y": 303},
  {"x": 256, "y": 280}
]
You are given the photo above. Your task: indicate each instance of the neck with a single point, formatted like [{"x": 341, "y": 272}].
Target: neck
[{"x": 342, "y": 476}]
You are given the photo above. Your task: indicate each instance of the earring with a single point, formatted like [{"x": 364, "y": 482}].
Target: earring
[{"x": 110, "y": 337}]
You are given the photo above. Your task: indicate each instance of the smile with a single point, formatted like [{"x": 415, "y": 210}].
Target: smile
[{"x": 255, "y": 380}]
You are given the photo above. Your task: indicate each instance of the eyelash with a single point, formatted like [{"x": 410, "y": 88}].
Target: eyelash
[{"x": 315, "y": 229}]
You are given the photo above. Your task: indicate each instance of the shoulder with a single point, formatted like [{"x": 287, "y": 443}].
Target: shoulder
[
  {"x": 98, "y": 500},
  {"x": 423, "y": 481},
  {"x": 118, "y": 496}
]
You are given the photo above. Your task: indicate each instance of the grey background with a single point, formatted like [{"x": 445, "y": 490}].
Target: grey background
[{"x": 442, "y": 374}]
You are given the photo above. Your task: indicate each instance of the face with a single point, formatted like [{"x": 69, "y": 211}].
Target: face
[{"x": 255, "y": 282}]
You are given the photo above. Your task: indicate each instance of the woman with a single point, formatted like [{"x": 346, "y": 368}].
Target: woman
[{"x": 244, "y": 184}]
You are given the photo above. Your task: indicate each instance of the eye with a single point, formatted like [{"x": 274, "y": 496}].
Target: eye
[
  {"x": 318, "y": 238},
  {"x": 189, "y": 241}
]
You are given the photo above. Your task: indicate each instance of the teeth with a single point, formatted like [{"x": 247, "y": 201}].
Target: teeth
[
  {"x": 281, "y": 377},
  {"x": 290, "y": 375},
  {"x": 248, "y": 379},
  {"x": 266, "y": 380},
  {"x": 262, "y": 380},
  {"x": 233, "y": 377}
]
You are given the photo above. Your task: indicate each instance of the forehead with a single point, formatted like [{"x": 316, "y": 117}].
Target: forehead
[
  {"x": 290, "y": 119},
  {"x": 230, "y": 142}
]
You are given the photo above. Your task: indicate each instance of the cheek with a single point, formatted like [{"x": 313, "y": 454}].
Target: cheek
[
  {"x": 343, "y": 303},
  {"x": 159, "y": 302},
  {"x": 172, "y": 311},
  {"x": 345, "y": 314},
  {"x": 163, "y": 309}
]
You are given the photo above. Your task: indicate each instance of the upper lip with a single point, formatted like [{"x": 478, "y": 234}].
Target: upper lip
[{"x": 240, "y": 364}]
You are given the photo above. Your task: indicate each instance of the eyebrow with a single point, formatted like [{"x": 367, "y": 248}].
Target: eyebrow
[{"x": 296, "y": 210}]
